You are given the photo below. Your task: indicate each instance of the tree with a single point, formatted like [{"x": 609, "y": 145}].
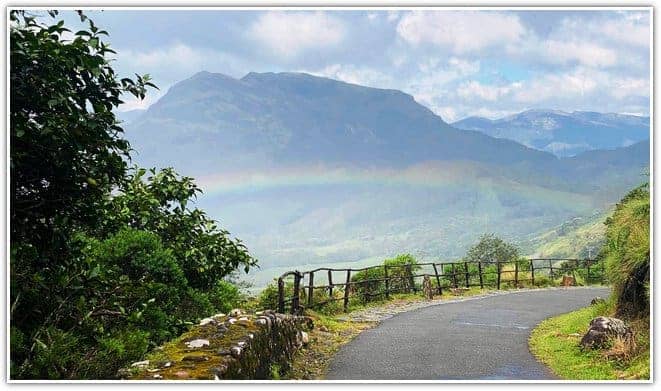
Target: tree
[
  {"x": 161, "y": 203},
  {"x": 104, "y": 263},
  {"x": 66, "y": 155},
  {"x": 491, "y": 249}
]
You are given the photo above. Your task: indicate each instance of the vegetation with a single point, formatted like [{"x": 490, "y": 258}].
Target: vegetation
[
  {"x": 577, "y": 238},
  {"x": 626, "y": 254},
  {"x": 105, "y": 263},
  {"x": 491, "y": 249},
  {"x": 556, "y": 343}
]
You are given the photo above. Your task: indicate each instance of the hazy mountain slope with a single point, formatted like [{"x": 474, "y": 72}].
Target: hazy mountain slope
[
  {"x": 286, "y": 118},
  {"x": 564, "y": 134},
  {"x": 308, "y": 170}
]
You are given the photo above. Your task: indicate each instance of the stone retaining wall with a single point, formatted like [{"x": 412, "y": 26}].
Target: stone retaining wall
[{"x": 235, "y": 346}]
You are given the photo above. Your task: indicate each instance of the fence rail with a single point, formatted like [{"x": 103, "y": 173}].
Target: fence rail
[{"x": 297, "y": 290}]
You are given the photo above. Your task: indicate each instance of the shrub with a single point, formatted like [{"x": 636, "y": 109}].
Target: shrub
[{"x": 627, "y": 252}]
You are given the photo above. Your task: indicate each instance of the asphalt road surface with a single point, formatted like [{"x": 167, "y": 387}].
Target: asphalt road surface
[{"x": 480, "y": 339}]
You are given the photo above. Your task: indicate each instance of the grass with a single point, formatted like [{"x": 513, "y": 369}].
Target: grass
[
  {"x": 328, "y": 335},
  {"x": 555, "y": 343}
]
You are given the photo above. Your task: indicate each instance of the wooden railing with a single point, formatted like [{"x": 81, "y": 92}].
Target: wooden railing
[{"x": 296, "y": 290}]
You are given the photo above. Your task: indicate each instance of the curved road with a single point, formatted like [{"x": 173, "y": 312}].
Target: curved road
[{"x": 475, "y": 339}]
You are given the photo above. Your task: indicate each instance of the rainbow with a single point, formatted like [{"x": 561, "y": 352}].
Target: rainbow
[
  {"x": 424, "y": 175},
  {"x": 466, "y": 175}
]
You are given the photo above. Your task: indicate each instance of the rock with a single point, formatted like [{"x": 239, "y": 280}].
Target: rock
[
  {"x": 157, "y": 376},
  {"x": 222, "y": 328},
  {"x": 152, "y": 370},
  {"x": 597, "y": 300},
  {"x": 427, "y": 289},
  {"x": 167, "y": 364},
  {"x": 231, "y": 320},
  {"x": 568, "y": 281},
  {"x": 224, "y": 352},
  {"x": 197, "y": 343},
  {"x": 235, "y": 351},
  {"x": 220, "y": 315},
  {"x": 243, "y": 318},
  {"x": 181, "y": 374},
  {"x": 195, "y": 358},
  {"x": 261, "y": 322},
  {"x": 140, "y": 364},
  {"x": 323, "y": 328},
  {"x": 207, "y": 321},
  {"x": 236, "y": 312},
  {"x": 601, "y": 329},
  {"x": 305, "y": 339}
]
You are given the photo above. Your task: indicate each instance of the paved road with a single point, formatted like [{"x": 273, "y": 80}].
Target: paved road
[{"x": 480, "y": 339}]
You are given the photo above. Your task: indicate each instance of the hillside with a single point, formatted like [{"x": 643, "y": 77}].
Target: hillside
[
  {"x": 562, "y": 133},
  {"x": 309, "y": 170},
  {"x": 576, "y": 238}
]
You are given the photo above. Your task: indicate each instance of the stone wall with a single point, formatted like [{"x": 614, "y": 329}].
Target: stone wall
[{"x": 235, "y": 346}]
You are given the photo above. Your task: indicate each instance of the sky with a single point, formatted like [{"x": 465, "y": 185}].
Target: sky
[{"x": 458, "y": 63}]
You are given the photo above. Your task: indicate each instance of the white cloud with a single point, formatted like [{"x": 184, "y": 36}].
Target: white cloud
[
  {"x": 460, "y": 31},
  {"x": 178, "y": 61},
  {"x": 475, "y": 90},
  {"x": 289, "y": 34},
  {"x": 356, "y": 75},
  {"x": 585, "y": 53}
]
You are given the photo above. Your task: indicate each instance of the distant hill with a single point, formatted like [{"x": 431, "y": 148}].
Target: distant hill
[
  {"x": 310, "y": 170},
  {"x": 129, "y": 116},
  {"x": 562, "y": 133}
]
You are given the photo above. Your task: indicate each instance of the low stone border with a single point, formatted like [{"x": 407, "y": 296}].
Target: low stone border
[{"x": 238, "y": 346}]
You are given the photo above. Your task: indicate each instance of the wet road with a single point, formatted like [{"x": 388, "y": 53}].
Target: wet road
[{"x": 480, "y": 339}]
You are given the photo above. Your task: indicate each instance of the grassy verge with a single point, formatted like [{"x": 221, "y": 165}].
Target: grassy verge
[
  {"x": 328, "y": 335},
  {"x": 555, "y": 343}
]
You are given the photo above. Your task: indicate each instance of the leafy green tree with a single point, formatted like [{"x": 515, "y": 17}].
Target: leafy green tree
[
  {"x": 104, "y": 264},
  {"x": 491, "y": 248},
  {"x": 160, "y": 203}
]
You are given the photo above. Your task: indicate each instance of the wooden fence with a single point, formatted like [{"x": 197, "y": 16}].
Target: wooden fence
[{"x": 296, "y": 290}]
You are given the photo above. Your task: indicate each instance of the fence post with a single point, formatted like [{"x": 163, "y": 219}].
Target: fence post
[
  {"x": 438, "y": 280},
  {"x": 454, "y": 276},
  {"x": 498, "y": 270},
  {"x": 347, "y": 286},
  {"x": 587, "y": 277},
  {"x": 467, "y": 275},
  {"x": 295, "y": 301},
  {"x": 387, "y": 283},
  {"x": 330, "y": 284},
  {"x": 516, "y": 274},
  {"x": 551, "y": 269},
  {"x": 532, "y": 272},
  {"x": 310, "y": 289},
  {"x": 479, "y": 271},
  {"x": 410, "y": 275},
  {"x": 281, "y": 296}
]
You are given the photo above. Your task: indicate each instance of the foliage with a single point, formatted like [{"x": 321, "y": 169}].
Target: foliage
[
  {"x": 160, "y": 204},
  {"x": 370, "y": 284},
  {"x": 627, "y": 252},
  {"x": 491, "y": 249},
  {"x": 103, "y": 264}
]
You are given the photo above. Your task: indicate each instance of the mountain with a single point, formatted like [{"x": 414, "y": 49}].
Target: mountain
[
  {"x": 129, "y": 116},
  {"x": 308, "y": 170},
  {"x": 562, "y": 133},
  {"x": 294, "y": 118}
]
